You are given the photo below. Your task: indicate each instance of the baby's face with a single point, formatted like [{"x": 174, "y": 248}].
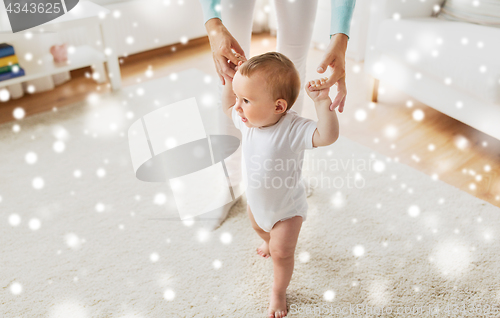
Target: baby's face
[{"x": 254, "y": 102}]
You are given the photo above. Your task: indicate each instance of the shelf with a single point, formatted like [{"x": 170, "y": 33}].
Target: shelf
[{"x": 82, "y": 57}]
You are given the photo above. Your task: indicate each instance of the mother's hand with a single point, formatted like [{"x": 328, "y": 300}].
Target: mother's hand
[
  {"x": 221, "y": 42},
  {"x": 335, "y": 58}
]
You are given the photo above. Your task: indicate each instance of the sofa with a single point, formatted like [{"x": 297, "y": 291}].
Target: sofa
[{"x": 453, "y": 67}]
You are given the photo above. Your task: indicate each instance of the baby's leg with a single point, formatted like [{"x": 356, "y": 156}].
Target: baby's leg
[
  {"x": 282, "y": 244},
  {"x": 263, "y": 250}
]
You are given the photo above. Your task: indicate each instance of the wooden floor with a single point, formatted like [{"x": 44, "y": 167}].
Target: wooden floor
[{"x": 437, "y": 145}]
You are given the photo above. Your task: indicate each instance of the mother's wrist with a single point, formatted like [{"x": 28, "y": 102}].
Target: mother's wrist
[{"x": 213, "y": 24}]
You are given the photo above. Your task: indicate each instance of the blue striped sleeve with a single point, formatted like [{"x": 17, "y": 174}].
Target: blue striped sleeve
[
  {"x": 211, "y": 9},
  {"x": 341, "y": 16}
]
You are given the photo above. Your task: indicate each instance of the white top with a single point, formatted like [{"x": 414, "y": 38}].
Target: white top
[{"x": 273, "y": 159}]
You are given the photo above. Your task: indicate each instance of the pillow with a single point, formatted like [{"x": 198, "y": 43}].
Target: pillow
[{"x": 485, "y": 12}]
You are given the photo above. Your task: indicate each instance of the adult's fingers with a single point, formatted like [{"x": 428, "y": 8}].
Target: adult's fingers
[
  {"x": 336, "y": 102},
  {"x": 342, "y": 103},
  {"x": 225, "y": 68},
  {"x": 323, "y": 65},
  {"x": 237, "y": 48}
]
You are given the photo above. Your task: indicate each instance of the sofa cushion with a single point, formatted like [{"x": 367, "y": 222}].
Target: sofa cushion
[
  {"x": 462, "y": 55},
  {"x": 485, "y": 12}
]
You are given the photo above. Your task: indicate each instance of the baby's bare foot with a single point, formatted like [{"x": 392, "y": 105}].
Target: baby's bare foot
[
  {"x": 277, "y": 305},
  {"x": 263, "y": 250}
]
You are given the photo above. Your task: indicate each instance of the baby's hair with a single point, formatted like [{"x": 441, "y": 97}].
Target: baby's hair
[{"x": 281, "y": 75}]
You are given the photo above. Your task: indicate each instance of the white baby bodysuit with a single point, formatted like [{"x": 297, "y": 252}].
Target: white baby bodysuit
[{"x": 273, "y": 158}]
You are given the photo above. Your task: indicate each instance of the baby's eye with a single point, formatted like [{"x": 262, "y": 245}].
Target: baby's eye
[{"x": 245, "y": 100}]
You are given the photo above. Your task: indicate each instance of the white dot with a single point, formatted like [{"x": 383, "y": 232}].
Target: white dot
[
  {"x": 465, "y": 41},
  {"x": 149, "y": 73},
  {"x": 304, "y": 257},
  {"x": 226, "y": 238},
  {"x": 28, "y": 35},
  {"x": 72, "y": 241},
  {"x": 418, "y": 76},
  {"x": 4, "y": 95},
  {"x": 71, "y": 49},
  {"x": 139, "y": 91},
  {"x": 435, "y": 53},
  {"x": 59, "y": 146},
  {"x": 77, "y": 173},
  {"x": 414, "y": 211},
  {"x": 116, "y": 14},
  {"x": 439, "y": 41},
  {"x": 378, "y": 166},
  {"x": 461, "y": 142},
  {"x": 14, "y": 219},
  {"x": 435, "y": 176},
  {"x": 129, "y": 40},
  {"x": 130, "y": 114},
  {"x": 31, "y": 158},
  {"x": 399, "y": 36},
  {"x": 487, "y": 168},
  {"x": 390, "y": 131},
  {"x": 472, "y": 186},
  {"x": 160, "y": 199},
  {"x": 447, "y": 81},
  {"x": 100, "y": 207},
  {"x": 28, "y": 56},
  {"x": 101, "y": 172},
  {"x": 459, "y": 104},
  {"x": 409, "y": 104},
  {"x": 154, "y": 257},
  {"x": 37, "y": 183},
  {"x": 18, "y": 113},
  {"x": 360, "y": 115},
  {"x": 379, "y": 67},
  {"x": 207, "y": 79},
  {"x": 480, "y": 44},
  {"x": 31, "y": 89},
  {"x": 16, "y": 288},
  {"x": 358, "y": 250},
  {"x": 217, "y": 264},
  {"x": 475, "y": 3},
  {"x": 482, "y": 69},
  {"x": 431, "y": 147},
  {"x": 338, "y": 200},
  {"x": 184, "y": 39},
  {"x": 34, "y": 224},
  {"x": 173, "y": 76},
  {"x": 329, "y": 295},
  {"x": 169, "y": 295},
  {"x": 356, "y": 68},
  {"x": 418, "y": 114},
  {"x": 396, "y": 16},
  {"x": 171, "y": 142}
]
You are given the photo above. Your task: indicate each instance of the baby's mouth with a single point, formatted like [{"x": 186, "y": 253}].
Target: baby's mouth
[{"x": 243, "y": 119}]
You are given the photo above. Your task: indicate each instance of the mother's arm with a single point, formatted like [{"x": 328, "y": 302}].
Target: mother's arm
[
  {"x": 221, "y": 41},
  {"x": 335, "y": 53}
]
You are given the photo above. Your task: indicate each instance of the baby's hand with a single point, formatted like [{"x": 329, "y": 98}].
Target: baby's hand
[{"x": 320, "y": 95}]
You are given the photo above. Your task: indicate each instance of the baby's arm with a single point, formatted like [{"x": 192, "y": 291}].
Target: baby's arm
[
  {"x": 327, "y": 131},
  {"x": 228, "y": 96}
]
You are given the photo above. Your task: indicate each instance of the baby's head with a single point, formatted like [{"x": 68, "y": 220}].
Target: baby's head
[{"x": 266, "y": 86}]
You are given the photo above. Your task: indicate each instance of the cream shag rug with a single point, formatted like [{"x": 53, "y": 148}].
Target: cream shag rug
[{"x": 82, "y": 237}]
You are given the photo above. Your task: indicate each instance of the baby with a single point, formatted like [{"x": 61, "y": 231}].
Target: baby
[{"x": 274, "y": 137}]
